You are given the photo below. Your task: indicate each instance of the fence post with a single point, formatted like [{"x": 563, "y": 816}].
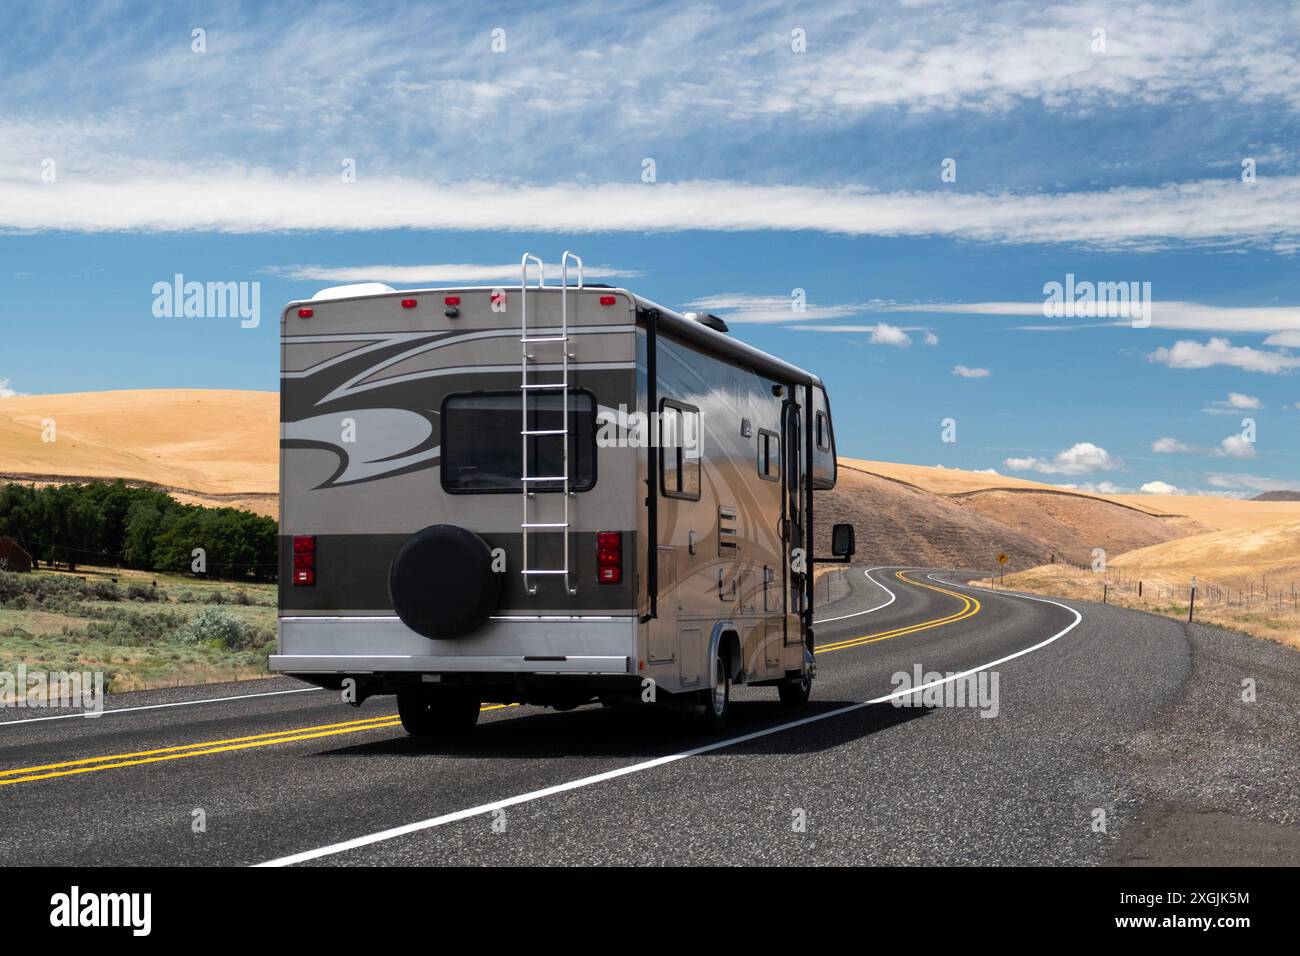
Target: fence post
[{"x": 1191, "y": 607}]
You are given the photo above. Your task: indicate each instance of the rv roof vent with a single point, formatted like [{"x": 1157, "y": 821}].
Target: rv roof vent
[
  {"x": 353, "y": 291},
  {"x": 707, "y": 318}
]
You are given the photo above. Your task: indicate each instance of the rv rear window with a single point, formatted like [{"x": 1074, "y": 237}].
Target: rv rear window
[{"x": 482, "y": 445}]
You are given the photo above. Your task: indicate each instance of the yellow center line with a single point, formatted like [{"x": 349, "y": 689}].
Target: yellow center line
[
  {"x": 113, "y": 761},
  {"x": 970, "y": 607}
]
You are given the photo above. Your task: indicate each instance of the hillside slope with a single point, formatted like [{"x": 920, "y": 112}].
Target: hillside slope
[
  {"x": 1232, "y": 558},
  {"x": 900, "y": 523},
  {"x": 210, "y": 446}
]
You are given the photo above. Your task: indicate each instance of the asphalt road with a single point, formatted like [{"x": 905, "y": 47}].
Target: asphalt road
[{"x": 1114, "y": 737}]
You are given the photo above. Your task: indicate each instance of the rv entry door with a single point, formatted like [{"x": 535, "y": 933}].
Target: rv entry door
[{"x": 792, "y": 521}]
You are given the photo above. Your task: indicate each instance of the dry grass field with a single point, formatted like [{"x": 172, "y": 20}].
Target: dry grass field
[{"x": 205, "y": 447}]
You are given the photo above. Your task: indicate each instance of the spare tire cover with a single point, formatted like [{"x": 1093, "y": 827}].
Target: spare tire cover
[{"x": 442, "y": 583}]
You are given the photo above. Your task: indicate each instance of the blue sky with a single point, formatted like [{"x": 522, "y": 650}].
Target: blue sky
[{"x": 127, "y": 156}]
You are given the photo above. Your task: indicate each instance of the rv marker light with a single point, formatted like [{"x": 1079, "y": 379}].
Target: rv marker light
[
  {"x": 451, "y": 300},
  {"x": 607, "y": 300},
  {"x": 408, "y": 303},
  {"x": 306, "y": 313}
]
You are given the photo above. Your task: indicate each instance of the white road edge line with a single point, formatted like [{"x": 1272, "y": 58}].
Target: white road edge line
[
  {"x": 845, "y": 617},
  {"x": 92, "y": 715},
  {"x": 446, "y": 818}
]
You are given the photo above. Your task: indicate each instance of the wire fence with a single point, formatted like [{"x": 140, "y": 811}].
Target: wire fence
[{"x": 1265, "y": 592}]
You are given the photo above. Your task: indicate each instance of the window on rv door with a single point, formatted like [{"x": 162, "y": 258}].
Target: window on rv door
[
  {"x": 769, "y": 455},
  {"x": 482, "y": 448},
  {"x": 823, "y": 433},
  {"x": 680, "y": 442}
]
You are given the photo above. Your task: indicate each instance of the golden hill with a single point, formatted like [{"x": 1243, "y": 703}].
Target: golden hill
[
  {"x": 901, "y": 522},
  {"x": 1232, "y": 558},
  {"x": 212, "y": 447},
  {"x": 220, "y": 447}
]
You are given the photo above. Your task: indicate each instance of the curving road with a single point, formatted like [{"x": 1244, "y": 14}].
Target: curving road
[{"x": 1102, "y": 716}]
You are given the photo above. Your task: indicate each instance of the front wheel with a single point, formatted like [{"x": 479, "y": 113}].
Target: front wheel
[
  {"x": 428, "y": 712},
  {"x": 795, "y": 693}
]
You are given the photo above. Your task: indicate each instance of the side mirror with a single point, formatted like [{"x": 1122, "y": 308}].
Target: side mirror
[{"x": 842, "y": 545}]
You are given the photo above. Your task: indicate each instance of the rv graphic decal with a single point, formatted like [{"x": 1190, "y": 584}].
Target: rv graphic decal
[
  {"x": 370, "y": 442},
  {"x": 378, "y": 432}
]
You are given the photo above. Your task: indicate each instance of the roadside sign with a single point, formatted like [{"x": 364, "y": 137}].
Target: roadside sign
[{"x": 1002, "y": 559}]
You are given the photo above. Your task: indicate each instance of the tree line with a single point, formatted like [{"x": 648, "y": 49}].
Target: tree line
[{"x": 108, "y": 523}]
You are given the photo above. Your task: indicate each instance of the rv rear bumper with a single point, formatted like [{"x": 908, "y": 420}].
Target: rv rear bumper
[
  {"x": 380, "y": 664},
  {"x": 383, "y": 645}
]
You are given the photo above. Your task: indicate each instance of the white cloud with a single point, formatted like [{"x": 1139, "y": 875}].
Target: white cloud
[
  {"x": 1235, "y": 446},
  {"x": 1165, "y": 314},
  {"x": 1289, "y": 340},
  {"x": 441, "y": 272},
  {"x": 1218, "y": 351},
  {"x": 886, "y": 334},
  {"x": 1160, "y": 488},
  {"x": 931, "y": 338},
  {"x": 1078, "y": 459},
  {"x": 764, "y": 309},
  {"x": 1171, "y": 446},
  {"x": 1255, "y": 483},
  {"x": 1097, "y": 487},
  {"x": 961, "y": 371},
  {"x": 1234, "y": 403},
  {"x": 850, "y": 329},
  {"x": 6, "y": 390},
  {"x": 259, "y": 200}
]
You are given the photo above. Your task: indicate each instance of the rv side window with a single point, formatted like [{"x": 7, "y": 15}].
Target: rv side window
[
  {"x": 823, "y": 434},
  {"x": 769, "y": 455},
  {"x": 680, "y": 443},
  {"x": 482, "y": 449}
]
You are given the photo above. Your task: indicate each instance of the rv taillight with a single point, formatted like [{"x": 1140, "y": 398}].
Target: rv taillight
[
  {"x": 408, "y": 303},
  {"x": 609, "y": 557},
  {"x": 306, "y": 313},
  {"x": 451, "y": 300},
  {"x": 304, "y": 560},
  {"x": 607, "y": 300}
]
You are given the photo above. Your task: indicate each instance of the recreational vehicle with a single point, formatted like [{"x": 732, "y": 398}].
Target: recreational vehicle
[{"x": 545, "y": 494}]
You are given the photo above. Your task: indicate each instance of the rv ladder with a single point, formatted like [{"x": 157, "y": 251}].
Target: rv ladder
[{"x": 526, "y": 433}]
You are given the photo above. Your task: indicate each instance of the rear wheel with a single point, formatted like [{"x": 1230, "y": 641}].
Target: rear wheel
[
  {"x": 428, "y": 712},
  {"x": 717, "y": 699}
]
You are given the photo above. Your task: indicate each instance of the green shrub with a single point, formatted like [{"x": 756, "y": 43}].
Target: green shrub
[
  {"x": 215, "y": 627},
  {"x": 138, "y": 592},
  {"x": 135, "y": 628}
]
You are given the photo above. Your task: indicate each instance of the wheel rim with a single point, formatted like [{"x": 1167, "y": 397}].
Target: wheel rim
[{"x": 719, "y": 699}]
